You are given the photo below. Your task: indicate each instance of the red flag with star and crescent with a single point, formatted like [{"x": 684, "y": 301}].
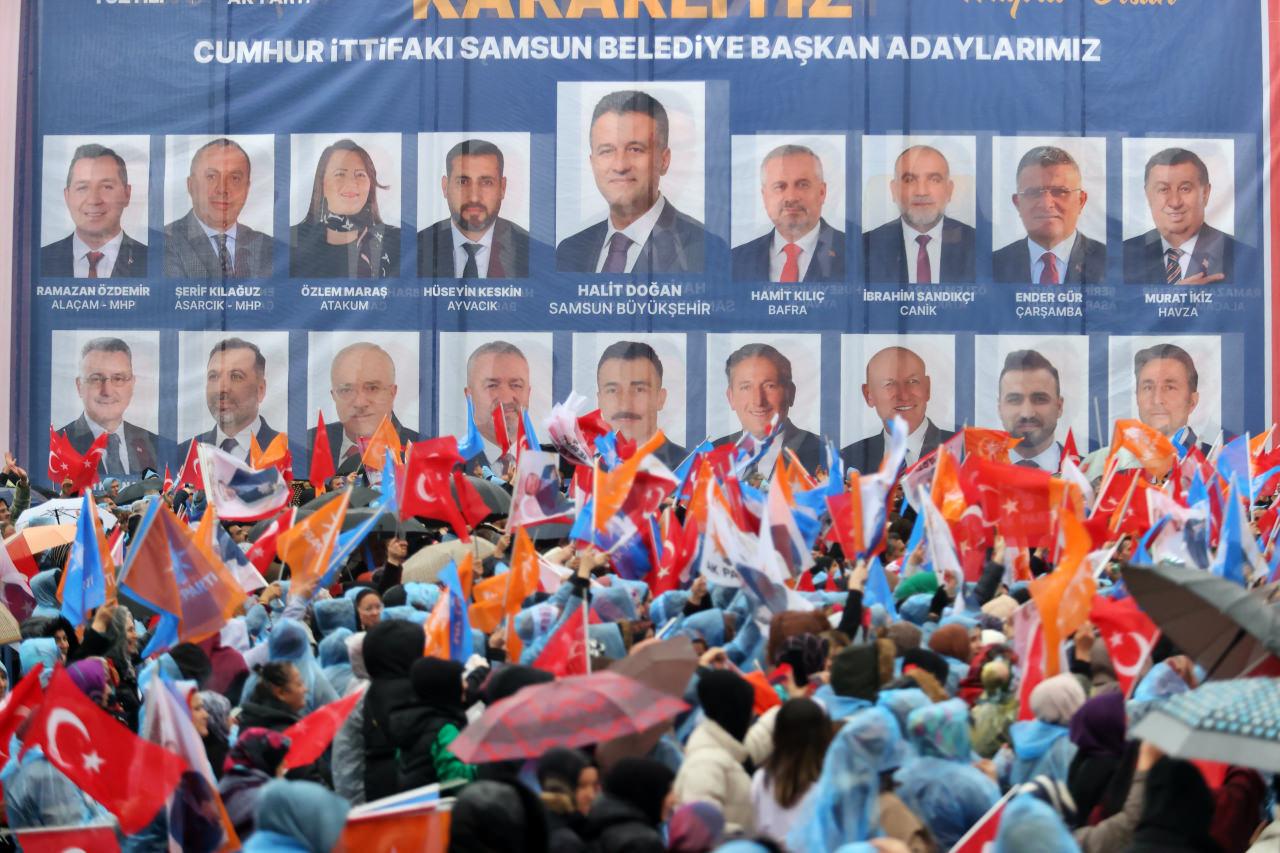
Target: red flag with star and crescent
[
  {"x": 132, "y": 778},
  {"x": 1129, "y": 635},
  {"x": 568, "y": 651},
  {"x": 65, "y": 463},
  {"x": 1019, "y": 500}
]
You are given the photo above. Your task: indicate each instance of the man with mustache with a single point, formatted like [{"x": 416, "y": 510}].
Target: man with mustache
[
  {"x": 761, "y": 393},
  {"x": 105, "y": 384},
  {"x": 474, "y": 242},
  {"x": 362, "y": 383},
  {"x": 801, "y": 246},
  {"x": 96, "y": 194},
  {"x": 922, "y": 245},
  {"x": 497, "y": 381},
  {"x": 897, "y": 384},
  {"x": 235, "y": 386},
  {"x": 1030, "y": 406},
  {"x": 1049, "y": 201},
  {"x": 630, "y": 395}
]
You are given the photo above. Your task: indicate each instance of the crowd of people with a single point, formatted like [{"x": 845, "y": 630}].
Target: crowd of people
[{"x": 898, "y": 725}]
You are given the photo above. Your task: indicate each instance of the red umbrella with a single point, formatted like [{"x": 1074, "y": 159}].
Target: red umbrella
[{"x": 573, "y": 711}]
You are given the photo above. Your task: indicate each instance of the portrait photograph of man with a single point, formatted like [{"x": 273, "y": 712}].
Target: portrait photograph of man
[
  {"x": 1036, "y": 388},
  {"x": 789, "y": 209},
  {"x": 116, "y": 392},
  {"x": 356, "y": 379},
  {"x": 245, "y": 392},
  {"x": 501, "y": 373},
  {"x": 219, "y": 201},
  {"x": 918, "y": 207},
  {"x": 1049, "y": 210},
  {"x": 479, "y": 208},
  {"x": 640, "y": 209},
  {"x": 1179, "y": 211},
  {"x": 907, "y": 376},
  {"x": 94, "y": 214},
  {"x": 639, "y": 382},
  {"x": 771, "y": 388}
]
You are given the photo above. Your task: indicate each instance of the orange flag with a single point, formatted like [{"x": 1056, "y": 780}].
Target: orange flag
[
  {"x": 797, "y": 478},
  {"x": 1065, "y": 595},
  {"x": 1154, "y": 451},
  {"x": 486, "y": 612},
  {"x": 990, "y": 444},
  {"x": 437, "y": 629},
  {"x": 522, "y": 583},
  {"x": 612, "y": 487},
  {"x": 307, "y": 546},
  {"x": 1258, "y": 443},
  {"x": 466, "y": 572},
  {"x": 276, "y": 453},
  {"x": 384, "y": 437},
  {"x": 946, "y": 493}
]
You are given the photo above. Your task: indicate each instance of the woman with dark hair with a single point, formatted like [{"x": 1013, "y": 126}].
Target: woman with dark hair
[
  {"x": 368, "y": 608},
  {"x": 343, "y": 235},
  {"x": 801, "y": 734},
  {"x": 637, "y": 800},
  {"x": 570, "y": 784},
  {"x": 277, "y": 700},
  {"x": 254, "y": 761}
]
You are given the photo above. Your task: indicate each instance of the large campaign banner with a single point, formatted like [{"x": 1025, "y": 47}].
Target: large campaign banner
[{"x": 712, "y": 217}]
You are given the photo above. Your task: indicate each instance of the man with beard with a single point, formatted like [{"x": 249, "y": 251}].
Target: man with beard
[
  {"x": 235, "y": 383},
  {"x": 474, "y": 242},
  {"x": 897, "y": 384},
  {"x": 922, "y": 245},
  {"x": 497, "y": 381},
  {"x": 801, "y": 246},
  {"x": 1030, "y": 406},
  {"x": 630, "y": 395}
]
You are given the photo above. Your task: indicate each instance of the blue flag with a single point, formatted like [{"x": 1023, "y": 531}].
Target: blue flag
[
  {"x": 530, "y": 433},
  {"x": 1233, "y": 462},
  {"x": 387, "y": 488},
  {"x": 85, "y": 586},
  {"x": 1229, "y": 561},
  {"x": 877, "y": 589},
  {"x": 460, "y": 640},
  {"x": 685, "y": 468},
  {"x": 348, "y": 542},
  {"x": 472, "y": 445}
]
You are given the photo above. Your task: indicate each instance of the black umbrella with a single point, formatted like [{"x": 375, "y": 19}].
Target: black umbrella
[
  {"x": 360, "y": 496},
  {"x": 387, "y": 523},
  {"x": 495, "y": 497},
  {"x": 139, "y": 490},
  {"x": 1219, "y": 624}
]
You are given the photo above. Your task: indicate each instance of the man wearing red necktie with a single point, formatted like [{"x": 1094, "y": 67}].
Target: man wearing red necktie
[{"x": 96, "y": 195}]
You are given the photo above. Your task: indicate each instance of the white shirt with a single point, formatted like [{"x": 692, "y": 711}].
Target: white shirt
[
  {"x": 778, "y": 258},
  {"x": 772, "y": 819},
  {"x": 638, "y": 231},
  {"x": 460, "y": 254},
  {"x": 1046, "y": 460},
  {"x": 110, "y": 251},
  {"x": 1185, "y": 251},
  {"x": 915, "y": 442},
  {"x": 933, "y": 249},
  {"x": 242, "y": 439},
  {"x": 122, "y": 455},
  {"x": 212, "y": 234},
  {"x": 1061, "y": 255}
]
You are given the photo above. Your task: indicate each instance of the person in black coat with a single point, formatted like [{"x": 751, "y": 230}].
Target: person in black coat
[
  {"x": 498, "y": 816},
  {"x": 566, "y": 778},
  {"x": 1177, "y": 811},
  {"x": 637, "y": 798},
  {"x": 391, "y": 707}
]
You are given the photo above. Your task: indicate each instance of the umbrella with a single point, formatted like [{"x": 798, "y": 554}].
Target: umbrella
[
  {"x": 140, "y": 489},
  {"x": 9, "y": 630},
  {"x": 426, "y": 563},
  {"x": 1236, "y": 722},
  {"x": 24, "y": 545},
  {"x": 1220, "y": 625},
  {"x": 360, "y": 496},
  {"x": 495, "y": 497},
  {"x": 62, "y": 511},
  {"x": 387, "y": 522},
  {"x": 573, "y": 711},
  {"x": 664, "y": 665}
]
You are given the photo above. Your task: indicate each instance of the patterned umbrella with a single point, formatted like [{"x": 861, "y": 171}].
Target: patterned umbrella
[
  {"x": 573, "y": 711},
  {"x": 665, "y": 665},
  {"x": 1237, "y": 722}
]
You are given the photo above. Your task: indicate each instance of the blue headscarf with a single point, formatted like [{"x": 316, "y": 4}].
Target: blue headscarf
[
  {"x": 39, "y": 650},
  {"x": 297, "y": 815},
  {"x": 334, "y": 613},
  {"x": 421, "y": 595},
  {"x": 289, "y": 642},
  {"x": 1028, "y": 823},
  {"x": 335, "y": 661},
  {"x": 707, "y": 625},
  {"x": 948, "y": 796},
  {"x": 44, "y": 586},
  {"x": 613, "y": 603},
  {"x": 255, "y": 622},
  {"x": 667, "y": 606},
  {"x": 843, "y": 806},
  {"x": 941, "y": 730},
  {"x": 901, "y": 702}
]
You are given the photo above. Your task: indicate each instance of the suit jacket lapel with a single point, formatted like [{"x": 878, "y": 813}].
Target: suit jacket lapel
[
  {"x": 820, "y": 265},
  {"x": 502, "y": 251}
]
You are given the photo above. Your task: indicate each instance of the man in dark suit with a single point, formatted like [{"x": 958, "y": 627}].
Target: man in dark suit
[
  {"x": 644, "y": 233},
  {"x": 235, "y": 384},
  {"x": 105, "y": 384},
  {"x": 923, "y": 245},
  {"x": 1049, "y": 201},
  {"x": 801, "y": 246},
  {"x": 761, "y": 393},
  {"x": 1181, "y": 249},
  {"x": 897, "y": 384},
  {"x": 210, "y": 242},
  {"x": 497, "y": 382},
  {"x": 96, "y": 194},
  {"x": 474, "y": 242},
  {"x": 630, "y": 395},
  {"x": 1030, "y": 406},
  {"x": 362, "y": 383}
]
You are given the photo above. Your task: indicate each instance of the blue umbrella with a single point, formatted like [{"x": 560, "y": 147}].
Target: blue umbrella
[{"x": 1237, "y": 722}]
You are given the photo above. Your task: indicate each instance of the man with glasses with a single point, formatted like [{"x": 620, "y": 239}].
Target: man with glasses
[
  {"x": 235, "y": 383},
  {"x": 105, "y": 384},
  {"x": 362, "y": 383},
  {"x": 1049, "y": 201}
]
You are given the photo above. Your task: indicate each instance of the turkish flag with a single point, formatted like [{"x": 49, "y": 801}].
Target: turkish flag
[
  {"x": 679, "y": 547},
  {"x": 21, "y": 703},
  {"x": 1019, "y": 500},
  {"x": 191, "y": 472},
  {"x": 990, "y": 444},
  {"x": 132, "y": 778},
  {"x": 311, "y": 736},
  {"x": 69, "y": 839},
  {"x": 567, "y": 651},
  {"x": 65, "y": 463},
  {"x": 420, "y": 831},
  {"x": 426, "y": 483},
  {"x": 263, "y": 551},
  {"x": 1129, "y": 635}
]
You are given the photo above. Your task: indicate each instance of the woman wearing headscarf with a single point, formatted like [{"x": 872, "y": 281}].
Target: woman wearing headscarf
[
  {"x": 941, "y": 730},
  {"x": 1177, "y": 811},
  {"x": 290, "y": 643},
  {"x": 1028, "y": 823},
  {"x": 44, "y": 586},
  {"x": 423, "y": 738},
  {"x": 390, "y": 650},
  {"x": 228, "y": 669},
  {"x": 713, "y": 770},
  {"x": 217, "y": 741},
  {"x": 1098, "y": 731},
  {"x": 41, "y": 651},
  {"x": 570, "y": 784},
  {"x": 948, "y": 796},
  {"x": 255, "y": 760},
  {"x": 348, "y": 743},
  {"x": 343, "y": 235},
  {"x": 112, "y": 635},
  {"x": 779, "y": 789},
  {"x": 637, "y": 800},
  {"x": 332, "y": 614},
  {"x": 1042, "y": 747},
  {"x": 695, "y": 828},
  {"x": 335, "y": 660},
  {"x": 297, "y": 816}
]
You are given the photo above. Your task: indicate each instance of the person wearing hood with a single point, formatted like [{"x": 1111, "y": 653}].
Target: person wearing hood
[
  {"x": 391, "y": 709},
  {"x": 297, "y": 817},
  {"x": 637, "y": 800},
  {"x": 941, "y": 730},
  {"x": 39, "y": 651},
  {"x": 948, "y": 796},
  {"x": 256, "y": 759},
  {"x": 802, "y": 731},
  {"x": 1027, "y": 823},
  {"x": 1042, "y": 747},
  {"x": 423, "y": 756},
  {"x": 1177, "y": 811},
  {"x": 1098, "y": 732},
  {"x": 335, "y": 660},
  {"x": 713, "y": 770},
  {"x": 348, "y": 745},
  {"x": 217, "y": 739},
  {"x": 44, "y": 586},
  {"x": 857, "y": 674},
  {"x": 498, "y": 816},
  {"x": 995, "y": 711},
  {"x": 228, "y": 669},
  {"x": 290, "y": 642},
  {"x": 570, "y": 784}
]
